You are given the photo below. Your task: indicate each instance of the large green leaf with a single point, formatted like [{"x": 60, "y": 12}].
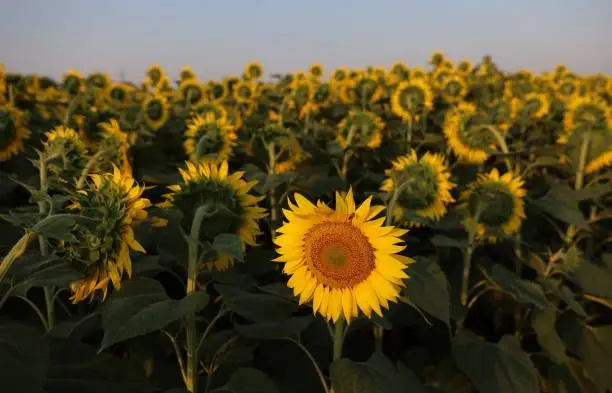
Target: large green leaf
[
  {"x": 275, "y": 329},
  {"x": 229, "y": 244},
  {"x": 595, "y": 350},
  {"x": 59, "y": 226},
  {"x": 594, "y": 279},
  {"x": 561, "y": 202},
  {"x": 544, "y": 326},
  {"x": 258, "y": 307},
  {"x": 523, "y": 291},
  {"x": 495, "y": 368},
  {"x": 142, "y": 306},
  {"x": 23, "y": 359},
  {"x": 377, "y": 375},
  {"x": 248, "y": 380},
  {"x": 75, "y": 367},
  {"x": 428, "y": 289}
]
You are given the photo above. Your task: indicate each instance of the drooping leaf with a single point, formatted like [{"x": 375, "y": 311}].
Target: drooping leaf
[
  {"x": 229, "y": 244},
  {"x": 248, "y": 380},
  {"x": 495, "y": 368},
  {"x": 523, "y": 291},
  {"x": 23, "y": 358},
  {"x": 428, "y": 289},
  {"x": 595, "y": 350},
  {"x": 275, "y": 329},
  {"x": 258, "y": 307},
  {"x": 142, "y": 306},
  {"x": 58, "y": 226},
  {"x": 544, "y": 326},
  {"x": 561, "y": 202},
  {"x": 593, "y": 279},
  {"x": 445, "y": 241}
]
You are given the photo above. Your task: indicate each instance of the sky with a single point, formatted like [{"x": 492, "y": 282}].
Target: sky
[{"x": 218, "y": 37}]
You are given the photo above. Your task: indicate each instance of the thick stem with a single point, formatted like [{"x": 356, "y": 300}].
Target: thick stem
[
  {"x": 378, "y": 338},
  {"x": 192, "y": 277},
  {"x": 338, "y": 339},
  {"x": 43, "y": 209},
  {"x": 467, "y": 259},
  {"x": 579, "y": 182}
]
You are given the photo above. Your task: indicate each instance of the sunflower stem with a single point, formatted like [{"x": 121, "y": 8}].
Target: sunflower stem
[
  {"x": 71, "y": 107},
  {"x": 88, "y": 167},
  {"x": 338, "y": 338},
  {"x": 43, "y": 209},
  {"x": 503, "y": 146},
  {"x": 579, "y": 182},
  {"x": 409, "y": 134},
  {"x": 192, "y": 277},
  {"x": 378, "y": 338},
  {"x": 346, "y": 157},
  {"x": 467, "y": 258},
  {"x": 313, "y": 361},
  {"x": 271, "y": 193}
]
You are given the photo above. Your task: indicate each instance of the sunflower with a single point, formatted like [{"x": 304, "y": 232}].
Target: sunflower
[
  {"x": 316, "y": 71},
  {"x": 323, "y": 95},
  {"x": 534, "y": 106},
  {"x": 465, "y": 67},
  {"x": 436, "y": 58},
  {"x": 156, "y": 74},
  {"x": 253, "y": 71},
  {"x": 216, "y": 90},
  {"x": 418, "y": 73},
  {"x": 114, "y": 146},
  {"x": 496, "y": 201},
  {"x": 400, "y": 70},
  {"x": 192, "y": 92},
  {"x": 229, "y": 82},
  {"x": 360, "y": 129},
  {"x": 156, "y": 111},
  {"x": 424, "y": 186},
  {"x": 12, "y": 132},
  {"x": 344, "y": 261},
  {"x": 72, "y": 82},
  {"x": 567, "y": 89},
  {"x": 214, "y": 108},
  {"x": 453, "y": 89},
  {"x": 290, "y": 154},
  {"x": 588, "y": 111},
  {"x": 186, "y": 73},
  {"x": 411, "y": 98},
  {"x": 98, "y": 80},
  {"x": 244, "y": 91},
  {"x": 118, "y": 93},
  {"x": 209, "y": 139},
  {"x": 72, "y": 152},
  {"x": 104, "y": 249},
  {"x": 339, "y": 75},
  {"x": 468, "y": 134},
  {"x": 236, "y": 210}
]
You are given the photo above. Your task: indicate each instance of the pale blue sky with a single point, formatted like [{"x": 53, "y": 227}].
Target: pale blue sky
[{"x": 218, "y": 37}]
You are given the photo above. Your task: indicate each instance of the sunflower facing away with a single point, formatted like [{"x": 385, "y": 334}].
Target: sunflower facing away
[
  {"x": 104, "y": 249},
  {"x": 12, "y": 132},
  {"x": 424, "y": 186},
  {"x": 360, "y": 129},
  {"x": 453, "y": 89},
  {"x": 534, "y": 106},
  {"x": 192, "y": 92},
  {"x": 497, "y": 202},
  {"x": 72, "y": 82},
  {"x": 72, "y": 152},
  {"x": 237, "y": 210},
  {"x": 114, "y": 146},
  {"x": 156, "y": 111},
  {"x": 290, "y": 154},
  {"x": 589, "y": 111},
  {"x": 209, "y": 139},
  {"x": 411, "y": 98},
  {"x": 343, "y": 260},
  {"x": 468, "y": 134}
]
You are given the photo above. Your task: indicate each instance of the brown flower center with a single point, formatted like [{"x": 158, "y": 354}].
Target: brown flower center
[{"x": 338, "y": 254}]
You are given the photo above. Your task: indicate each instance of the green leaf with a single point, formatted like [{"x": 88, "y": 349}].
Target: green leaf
[
  {"x": 595, "y": 350},
  {"x": 248, "y": 380},
  {"x": 561, "y": 380},
  {"x": 377, "y": 375},
  {"x": 495, "y": 368},
  {"x": 428, "y": 289},
  {"x": 58, "y": 226},
  {"x": 275, "y": 329},
  {"x": 75, "y": 367},
  {"x": 525, "y": 292},
  {"x": 34, "y": 270},
  {"x": 229, "y": 244},
  {"x": 142, "y": 306},
  {"x": 544, "y": 326},
  {"x": 23, "y": 356},
  {"x": 561, "y": 202},
  {"x": 257, "y": 307},
  {"x": 595, "y": 280},
  {"x": 445, "y": 241}
]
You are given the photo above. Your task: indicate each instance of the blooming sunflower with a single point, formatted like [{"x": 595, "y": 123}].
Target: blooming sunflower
[
  {"x": 104, "y": 249},
  {"x": 12, "y": 132},
  {"x": 344, "y": 260},
  {"x": 465, "y": 66},
  {"x": 315, "y": 71},
  {"x": 453, "y": 89},
  {"x": 244, "y": 91},
  {"x": 497, "y": 202},
  {"x": 534, "y": 106},
  {"x": 156, "y": 111},
  {"x": 209, "y": 139},
  {"x": 339, "y": 75},
  {"x": 360, "y": 129},
  {"x": 156, "y": 74},
  {"x": 253, "y": 71},
  {"x": 567, "y": 89},
  {"x": 72, "y": 82},
  {"x": 71, "y": 149},
  {"x": 216, "y": 90},
  {"x": 186, "y": 73},
  {"x": 468, "y": 133},
  {"x": 99, "y": 80},
  {"x": 214, "y": 108},
  {"x": 417, "y": 73},
  {"x": 437, "y": 58},
  {"x": 424, "y": 186},
  {"x": 237, "y": 210},
  {"x": 400, "y": 70},
  {"x": 411, "y": 98},
  {"x": 588, "y": 111},
  {"x": 192, "y": 92},
  {"x": 118, "y": 93}
]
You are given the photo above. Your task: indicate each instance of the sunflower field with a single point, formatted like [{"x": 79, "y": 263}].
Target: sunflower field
[{"x": 389, "y": 230}]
